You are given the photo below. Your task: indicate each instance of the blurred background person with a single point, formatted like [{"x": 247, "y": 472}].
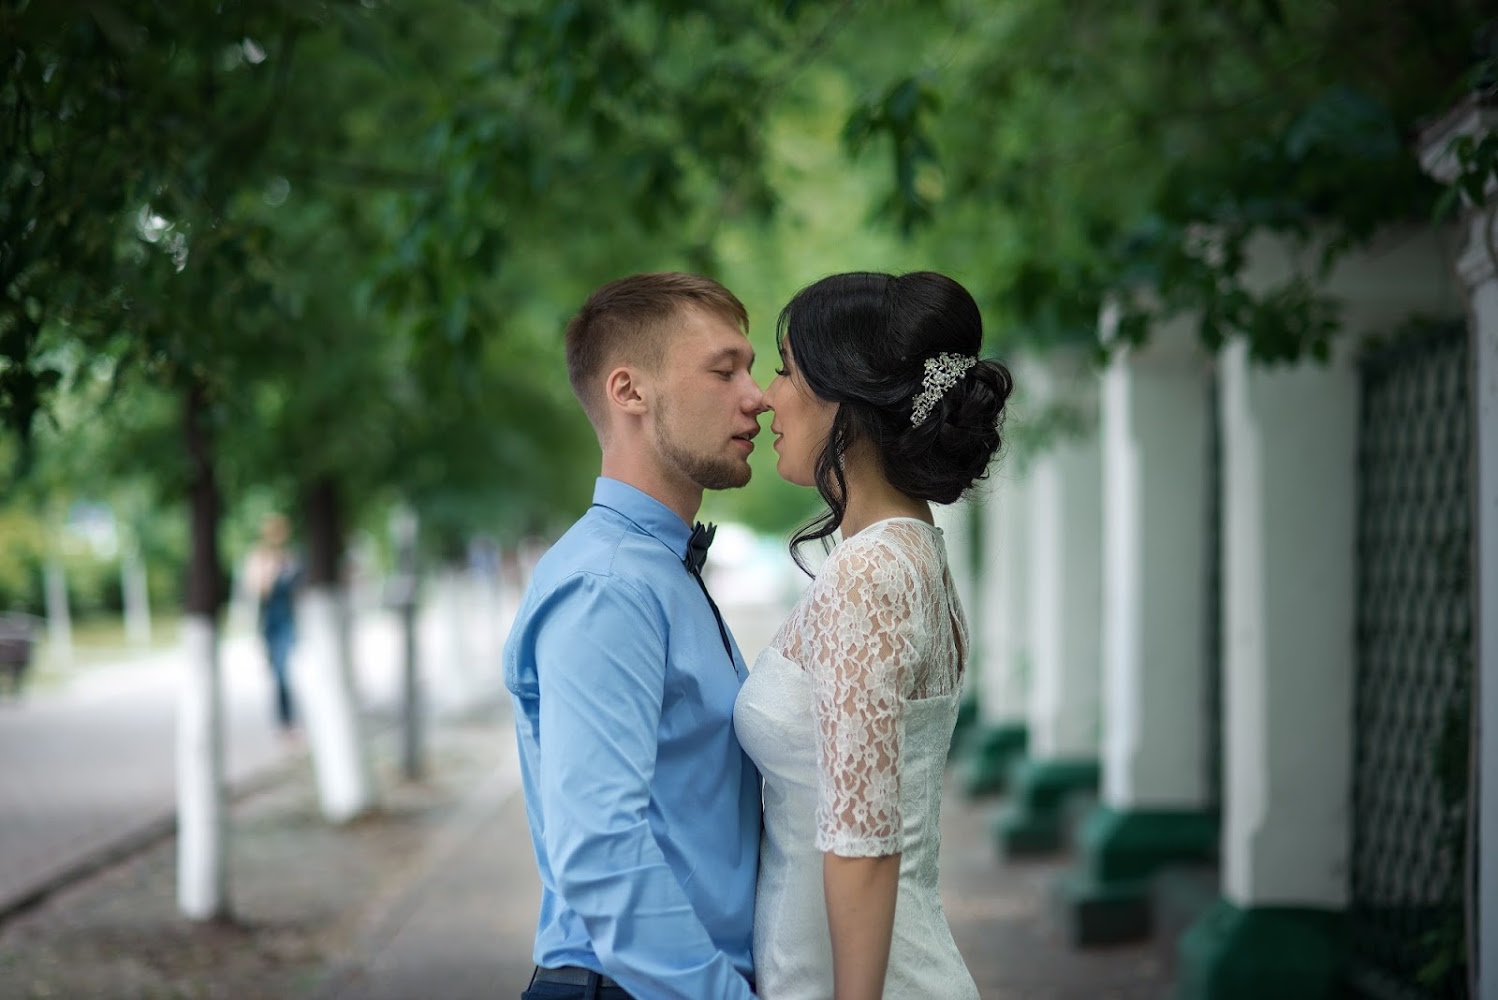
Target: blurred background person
[{"x": 272, "y": 575}]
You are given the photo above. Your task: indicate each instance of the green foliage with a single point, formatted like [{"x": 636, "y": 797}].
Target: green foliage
[
  {"x": 1135, "y": 152},
  {"x": 363, "y": 227},
  {"x": 342, "y": 219},
  {"x": 901, "y": 114},
  {"x": 21, "y": 535},
  {"x": 1477, "y": 172}
]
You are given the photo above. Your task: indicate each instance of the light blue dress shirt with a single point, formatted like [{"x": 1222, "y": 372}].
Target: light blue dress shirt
[{"x": 644, "y": 812}]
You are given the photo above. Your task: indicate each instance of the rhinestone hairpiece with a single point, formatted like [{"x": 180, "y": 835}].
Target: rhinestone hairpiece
[{"x": 942, "y": 372}]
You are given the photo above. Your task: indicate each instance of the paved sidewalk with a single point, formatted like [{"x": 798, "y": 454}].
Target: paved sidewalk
[
  {"x": 461, "y": 930},
  {"x": 436, "y": 895},
  {"x": 90, "y": 771}
]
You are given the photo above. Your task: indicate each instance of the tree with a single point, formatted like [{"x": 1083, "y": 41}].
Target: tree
[
  {"x": 1104, "y": 150},
  {"x": 175, "y": 262}
]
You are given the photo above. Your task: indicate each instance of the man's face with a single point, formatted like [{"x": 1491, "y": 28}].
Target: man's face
[{"x": 705, "y": 414}]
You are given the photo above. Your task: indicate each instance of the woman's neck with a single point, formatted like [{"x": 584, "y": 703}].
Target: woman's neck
[{"x": 871, "y": 498}]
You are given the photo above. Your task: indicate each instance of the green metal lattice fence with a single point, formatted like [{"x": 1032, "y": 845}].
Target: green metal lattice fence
[
  {"x": 1409, "y": 875},
  {"x": 1212, "y": 762}
]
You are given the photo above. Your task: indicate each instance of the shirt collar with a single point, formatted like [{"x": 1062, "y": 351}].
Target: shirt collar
[{"x": 645, "y": 511}]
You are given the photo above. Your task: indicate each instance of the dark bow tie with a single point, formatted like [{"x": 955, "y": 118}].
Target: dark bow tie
[{"x": 702, "y": 537}]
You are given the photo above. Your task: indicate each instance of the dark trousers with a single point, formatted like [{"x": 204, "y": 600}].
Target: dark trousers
[
  {"x": 564, "y": 991},
  {"x": 278, "y": 642}
]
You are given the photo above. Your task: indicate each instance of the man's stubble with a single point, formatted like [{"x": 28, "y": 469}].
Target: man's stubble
[{"x": 711, "y": 472}]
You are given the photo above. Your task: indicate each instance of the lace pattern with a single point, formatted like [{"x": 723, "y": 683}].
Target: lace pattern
[{"x": 880, "y": 626}]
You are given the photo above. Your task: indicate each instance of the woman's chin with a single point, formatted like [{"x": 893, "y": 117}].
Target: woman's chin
[{"x": 792, "y": 476}]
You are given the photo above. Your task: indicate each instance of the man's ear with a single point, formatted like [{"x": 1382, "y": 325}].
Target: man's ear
[{"x": 627, "y": 390}]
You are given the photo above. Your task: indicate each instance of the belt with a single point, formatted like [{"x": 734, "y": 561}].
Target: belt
[{"x": 571, "y": 975}]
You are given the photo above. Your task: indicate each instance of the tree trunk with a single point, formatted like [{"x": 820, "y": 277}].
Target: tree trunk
[
  {"x": 135, "y": 592},
  {"x": 402, "y": 598},
  {"x": 345, "y": 780},
  {"x": 59, "y": 621},
  {"x": 202, "y": 872}
]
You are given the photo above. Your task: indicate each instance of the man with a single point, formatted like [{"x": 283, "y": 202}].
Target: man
[{"x": 644, "y": 812}]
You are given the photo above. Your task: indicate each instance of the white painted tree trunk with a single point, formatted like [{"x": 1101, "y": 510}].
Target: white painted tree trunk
[
  {"x": 137, "y": 596},
  {"x": 327, "y": 702},
  {"x": 452, "y": 669},
  {"x": 202, "y": 868},
  {"x": 59, "y": 620}
]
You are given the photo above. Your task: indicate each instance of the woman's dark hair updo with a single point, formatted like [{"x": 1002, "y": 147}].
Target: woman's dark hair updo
[{"x": 861, "y": 340}]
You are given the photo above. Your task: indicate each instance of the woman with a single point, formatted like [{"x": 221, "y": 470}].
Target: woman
[{"x": 882, "y": 404}]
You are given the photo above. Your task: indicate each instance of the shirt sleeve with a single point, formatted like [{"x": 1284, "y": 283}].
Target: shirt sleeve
[
  {"x": 861, "y": 657},
  {"x": 601, "y": 662}
]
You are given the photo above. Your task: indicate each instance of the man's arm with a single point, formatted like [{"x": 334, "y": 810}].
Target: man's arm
[{"x": 601, "y": 663}]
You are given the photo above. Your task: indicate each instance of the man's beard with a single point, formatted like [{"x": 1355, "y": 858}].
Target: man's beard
[{"x": 711, "y": 472}]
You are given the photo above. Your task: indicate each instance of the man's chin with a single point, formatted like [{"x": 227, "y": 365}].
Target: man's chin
[
  {"x": 737, "y": 481},
  {"x": 725, "y": 478}
]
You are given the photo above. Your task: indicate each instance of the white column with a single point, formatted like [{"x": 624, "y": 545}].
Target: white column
[
  {"x": 1065, "y": 501},
  {"x": 329, "y": 706},
  {"x": 1477, "y": 270},
  {"x": 1155, "y": 428},
  {"x": 1155, "y": 431},
  {"x": 1003, "y": 608},
  {"x": 1064, "y": 559},
  {"x": 956, "y": 524},
  {"x": 1289, "y": 513},
  {"x": 202, "y": 869}
]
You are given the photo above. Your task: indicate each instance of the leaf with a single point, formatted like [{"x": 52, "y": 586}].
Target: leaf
[
  {"x": 1446, "y": 205},
  {"x": 123, "y": 33}
]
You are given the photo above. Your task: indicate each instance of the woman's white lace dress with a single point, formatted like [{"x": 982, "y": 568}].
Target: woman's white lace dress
[{"x": 849, "y": 715}]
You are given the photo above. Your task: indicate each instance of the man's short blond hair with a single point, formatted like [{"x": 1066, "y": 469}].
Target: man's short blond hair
[{"x": 630, "y": 319}]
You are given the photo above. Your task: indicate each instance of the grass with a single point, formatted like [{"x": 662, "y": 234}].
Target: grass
[{"x": 98, "y": 642}]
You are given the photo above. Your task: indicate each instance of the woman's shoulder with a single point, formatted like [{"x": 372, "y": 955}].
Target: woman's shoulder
[
  {"x": 891, "y": 552},
  {"x": 893, "y": 536}
]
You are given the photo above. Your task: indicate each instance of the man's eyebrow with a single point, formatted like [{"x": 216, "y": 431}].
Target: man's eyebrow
[{"x": 730, "y": 354}]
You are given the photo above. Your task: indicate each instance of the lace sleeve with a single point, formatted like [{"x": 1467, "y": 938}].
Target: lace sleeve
[{"x": 860, "y": 656}]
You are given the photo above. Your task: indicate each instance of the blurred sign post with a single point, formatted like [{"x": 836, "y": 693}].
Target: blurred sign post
[{"x": 402, "y": 597}]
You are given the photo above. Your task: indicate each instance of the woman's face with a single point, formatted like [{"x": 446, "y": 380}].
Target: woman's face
[{"x": 801, "y": 423}]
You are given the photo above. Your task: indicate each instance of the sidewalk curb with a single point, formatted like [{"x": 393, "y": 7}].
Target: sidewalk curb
[
  {"x": 390, "y": 913},
  {"x": 142, "y": 836}
]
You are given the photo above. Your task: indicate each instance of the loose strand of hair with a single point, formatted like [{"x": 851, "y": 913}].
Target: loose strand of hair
[{"x": 832, "y": 486}]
